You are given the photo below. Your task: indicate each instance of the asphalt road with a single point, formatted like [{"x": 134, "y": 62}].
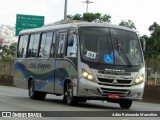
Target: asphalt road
[{"x": 16, "y": 99}]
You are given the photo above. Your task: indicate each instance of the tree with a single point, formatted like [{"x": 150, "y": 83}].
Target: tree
[
  {"x": 128, "y": 24},
  {"x": 91, "y": 17},
  {"x": 7, "y": 54},
  {"x": 154, "y": 29},
  {"x": 155, "y": 39},
  {"x": 75, "y": 17},
  {"x": 152, "y": 42},
  {"x": 152, "y": 52}
]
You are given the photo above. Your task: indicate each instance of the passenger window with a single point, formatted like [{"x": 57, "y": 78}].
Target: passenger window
[
  {"x": 42, "y": 46},
  {"x": 53, "y": 47},
  {"x": 33, "y": 45},
  {"x": 61, "y": 44},
  {"x": 45, "y": 45},
  {"x": 22, "y": 47},
  {"x": 19, "y": 53},
  {"x": 72, "y": 45}
]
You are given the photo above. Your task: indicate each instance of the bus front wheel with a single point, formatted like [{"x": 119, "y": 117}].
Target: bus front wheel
[
  {"x": 126, "y": 104},
  {"x": 68, "y": 95},
  {"x": 35, "y": 94}
]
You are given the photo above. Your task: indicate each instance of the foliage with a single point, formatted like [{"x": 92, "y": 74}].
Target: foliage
[
  {"x": 155, "y": 38},
  {"x": 91, "y": 17},
  {"x": 8, "y": 52},
  {"x": 75, "y": 17},
  {"x": 152, "y": 52},
  {"x": 129, "y": 24},
  {"x": 153, "y": 42}
]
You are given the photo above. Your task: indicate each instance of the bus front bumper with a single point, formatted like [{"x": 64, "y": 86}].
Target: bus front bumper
[{"x": 93, "y": 90}]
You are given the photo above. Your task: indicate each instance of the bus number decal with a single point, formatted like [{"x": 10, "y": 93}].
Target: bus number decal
[{"x": 91, "y": 54}]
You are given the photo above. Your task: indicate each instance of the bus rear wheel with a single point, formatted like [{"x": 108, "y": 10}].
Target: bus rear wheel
[
  {"x": 68, "y": 95},
  {"x": 35, "y": 94},
  {"x": 126, "y": 104}
]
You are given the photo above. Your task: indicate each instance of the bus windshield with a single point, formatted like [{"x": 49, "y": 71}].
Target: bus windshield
[{"x": 110, "y": 46}]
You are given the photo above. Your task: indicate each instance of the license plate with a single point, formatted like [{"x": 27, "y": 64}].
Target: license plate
[{"x": 114, "y": 96}]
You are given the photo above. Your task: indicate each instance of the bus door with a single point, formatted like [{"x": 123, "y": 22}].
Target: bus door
[
  {"x": 44, "y": 62},
  {"x": 59, "y": 68}
]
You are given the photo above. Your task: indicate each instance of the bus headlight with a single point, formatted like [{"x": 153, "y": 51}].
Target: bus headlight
[
  {"x": 87, "y": 75},
  {"x": 90, "y": 77},
  {"x": 139, "y": 80}
]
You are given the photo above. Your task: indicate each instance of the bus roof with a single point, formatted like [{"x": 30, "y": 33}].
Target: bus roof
[{"x": 75, "y": 25}]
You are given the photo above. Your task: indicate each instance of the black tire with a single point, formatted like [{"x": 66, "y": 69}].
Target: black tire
[
  {"x": 35, "y": 94},
  {"x": 126, "y": 104},
  {"x": 82, "y": 99},
  {"x": 68, "y": 95}
]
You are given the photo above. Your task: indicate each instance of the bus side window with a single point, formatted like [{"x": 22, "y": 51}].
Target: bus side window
[
  {"x": 33, "y": 45},
  {"x": 42, "y": 46},
  {"x": 22, "y": 47},
  {"x": 45, "y": 46},
  {"x": 72, "y": 45},
  {"x": 61, "y": 45},
  {"x": 53, "y": 46}
]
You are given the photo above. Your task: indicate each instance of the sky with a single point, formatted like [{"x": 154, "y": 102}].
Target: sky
[{"x": 142, "y": 12}]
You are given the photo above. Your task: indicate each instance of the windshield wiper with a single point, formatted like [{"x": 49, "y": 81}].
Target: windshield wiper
[
  {"x": 108, "y": 48},
  {"x": 125, "y": 57}
]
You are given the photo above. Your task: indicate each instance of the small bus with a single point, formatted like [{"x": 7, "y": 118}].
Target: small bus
[{"x": 81, "y": 61}]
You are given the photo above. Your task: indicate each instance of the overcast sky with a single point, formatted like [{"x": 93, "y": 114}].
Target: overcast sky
[{"x": 142, "y": 12}]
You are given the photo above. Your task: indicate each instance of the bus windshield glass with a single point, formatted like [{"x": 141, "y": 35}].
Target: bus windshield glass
[{"x": 110, "y": 46}]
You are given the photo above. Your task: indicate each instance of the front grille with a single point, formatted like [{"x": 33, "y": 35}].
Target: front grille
[
  {"x": 124, "y": 81},
  {"x": 105, "y": 80},
  {"x": 114, "y": 73},
  {"x": 104, "y": 84},
  {"x": 114, "y": 82},
  {"x": 114, "y": 91}
]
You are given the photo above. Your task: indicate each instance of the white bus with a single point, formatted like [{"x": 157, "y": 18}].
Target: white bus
[{"x": 81, "y": 61}]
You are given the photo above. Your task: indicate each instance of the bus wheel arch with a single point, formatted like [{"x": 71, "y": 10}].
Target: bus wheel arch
[{"x": 33, "y": 94}]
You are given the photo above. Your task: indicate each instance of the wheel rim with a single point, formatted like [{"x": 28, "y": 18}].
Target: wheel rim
[
  {"x": 69, "y": 93},
  {"x": 31, "y": 89}
]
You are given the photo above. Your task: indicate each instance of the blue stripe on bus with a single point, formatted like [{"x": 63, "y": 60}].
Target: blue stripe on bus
[{"x": 42, "y": 77}]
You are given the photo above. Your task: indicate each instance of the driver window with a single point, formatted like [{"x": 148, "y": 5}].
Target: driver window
[{"x": 72, "y": 45}]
